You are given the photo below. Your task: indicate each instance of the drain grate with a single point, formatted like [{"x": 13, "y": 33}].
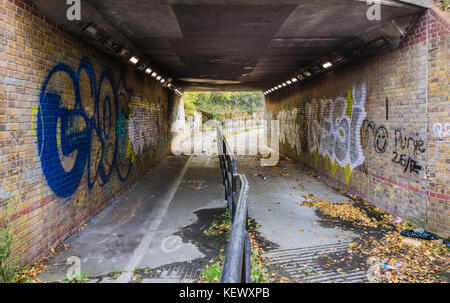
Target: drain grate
[
  {"x": 301, "y": 264},
  {"x": 181, "y": 271}
]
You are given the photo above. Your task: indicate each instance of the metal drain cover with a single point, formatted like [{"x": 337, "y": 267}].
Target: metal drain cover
[
  {"x": 177, "y": 272},
  {"x": 301, "y": 264}
]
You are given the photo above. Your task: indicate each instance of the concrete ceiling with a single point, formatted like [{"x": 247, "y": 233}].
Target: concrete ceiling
[{"x": 229, "y": 45}]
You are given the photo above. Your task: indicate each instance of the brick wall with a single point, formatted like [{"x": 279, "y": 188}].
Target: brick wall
[
  {"x": 379, "y": 127},
  {"x": 76, "y": 128}
]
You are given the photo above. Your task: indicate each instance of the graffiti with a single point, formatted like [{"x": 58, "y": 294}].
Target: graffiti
[
  {"x": 334, "y": 129},
  {"x": 68, "y": 134},
  {"x": 405, "y": 142},
  {"x": 441, "y": 132},
  {"x": 387, "y": 108},
  {"x": 381, "y": 140},
  {"x": 409, "y": 164},
  {"x": 408, "y": 148},
  {"x": 293, "y": 123},
  {"x": 405, "y": 147},
  {"x": 380, "y": 136},
  {"x": 140, "y": 136},
  {"x": 179, "y": 122}
]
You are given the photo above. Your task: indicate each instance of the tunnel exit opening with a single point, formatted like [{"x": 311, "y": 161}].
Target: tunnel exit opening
[{"x": 239, "y": 114}]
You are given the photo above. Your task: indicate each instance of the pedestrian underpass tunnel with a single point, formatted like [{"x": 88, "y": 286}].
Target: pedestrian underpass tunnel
[{"x": 89, "y": 92}]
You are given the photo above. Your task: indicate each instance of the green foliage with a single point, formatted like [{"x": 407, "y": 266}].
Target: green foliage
[
  {"x": 258, "y": 271},
  {"x": 189, "y": 106},
  {"x": 220, "y": 226},
  {"x": 212, "y": 273},
  {"x": 80, "y": 278},
  {"x": 9, "y": 266},
  {"x": 223, "y": 103},
  {"x": 115, "y": 272}
]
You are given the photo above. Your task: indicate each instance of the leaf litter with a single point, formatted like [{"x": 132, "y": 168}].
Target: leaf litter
[{"x": 382, "y": 250}]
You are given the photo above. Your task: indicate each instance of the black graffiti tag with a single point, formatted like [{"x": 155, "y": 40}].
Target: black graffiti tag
[
  {"x": 380, "y": 136},
  {"x": 405, "y": 142},
  {"x": 407, "y": 162}
]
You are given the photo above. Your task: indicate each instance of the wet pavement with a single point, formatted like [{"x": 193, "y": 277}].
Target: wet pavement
[
  {"x": 114, "y": 239},
  {"x": 153, "y": 230},
  {"x": 302, "y": 239}
]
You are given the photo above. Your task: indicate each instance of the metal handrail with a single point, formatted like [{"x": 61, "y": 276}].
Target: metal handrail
[{"x": 236, "y": 267}]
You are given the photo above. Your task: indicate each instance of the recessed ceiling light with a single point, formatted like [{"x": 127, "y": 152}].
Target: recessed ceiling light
[
  {"x": 91, "y": 30},
  {"x": 288, "y": 82},
  {"x": 148, "y": 70},
  {"x": 158, "y": 78},
  {"x": 327, "y": 65},
  {"x": 112, "y": 44},
  {"x": 95, "y": 32},
  {"x": 124, "y": 52},
  {"x": 284, "y": 84},
  {"x": 154, "y": 74},
  {"x": 338, "y": 59},
  {"x": 163, "y": 80},
  {"x": 294, "y": 80},
  {"x": 134, "y": 60}
]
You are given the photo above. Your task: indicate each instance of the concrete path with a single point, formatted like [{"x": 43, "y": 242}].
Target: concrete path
[
  {"x": 273, "y": 204},
  {"x": 138, "y": 229},
  {"x": 154, "y": 228},
  {"x": 296, "y": 232}
]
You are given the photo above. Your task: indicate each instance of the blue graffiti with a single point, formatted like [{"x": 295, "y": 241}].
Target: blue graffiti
[{"x": 76, "y": 129}]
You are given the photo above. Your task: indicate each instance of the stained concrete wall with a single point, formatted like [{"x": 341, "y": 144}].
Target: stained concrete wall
[
  {"x": 76, "y": 128},
  {"x": 379, "y": 127}
]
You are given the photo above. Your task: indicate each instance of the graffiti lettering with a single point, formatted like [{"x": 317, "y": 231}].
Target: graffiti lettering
[
  {"x": 407, "y": 162},
  {"x": 441, "y": 132},
  {"x": 380, "y": 136},
  {"x": 405, "y": 142},
  {"x": 334, "y": 128},
  {"x": 409, "y": 147},
  {"x": 293, "y": 122},
  {"x": 69, "y": 131}
]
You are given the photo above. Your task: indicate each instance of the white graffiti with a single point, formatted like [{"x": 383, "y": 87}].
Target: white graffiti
[
  {"x": 290, "y": 133},
  {"x": 441, "y": 131},
  {"x": 141, "y": 134},
  {"x": 179, "y": 122},
  {"x": 293, "y": 124},
  {"x": 334, "y": 128}
]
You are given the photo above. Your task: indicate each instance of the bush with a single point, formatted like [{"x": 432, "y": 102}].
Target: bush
[{"x": 8, "y": 266}]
